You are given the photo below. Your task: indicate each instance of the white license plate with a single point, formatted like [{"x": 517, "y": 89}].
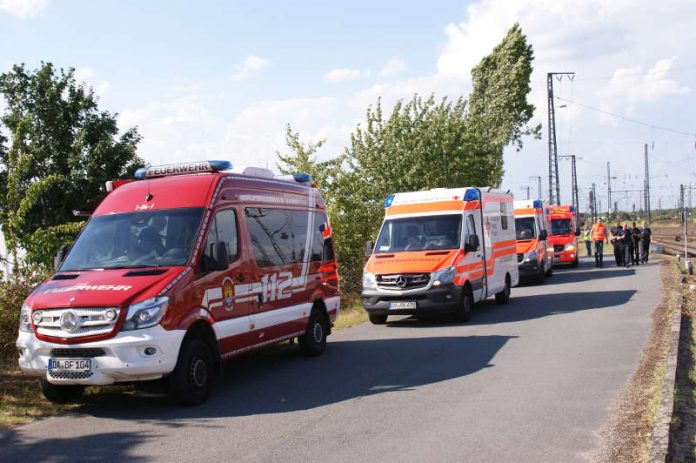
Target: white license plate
[
  {"x": 72, "y": 365},
  {"x": 402, "y": 305}
]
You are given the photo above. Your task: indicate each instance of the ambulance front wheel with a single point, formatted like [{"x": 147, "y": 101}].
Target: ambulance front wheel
[
  {"x": 466, "y": 306},
  {"x": 313, "y": 342},
  {"x": 61, "y": 394},
  {"x": 191, "y": 381},
  {"x": 549, "y": 271}
]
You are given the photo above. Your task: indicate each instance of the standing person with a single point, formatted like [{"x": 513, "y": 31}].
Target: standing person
[
  {"x": 645, "y": 236},
  {"x": 616, "y": 235},
  {"x": 599, "y": 236},
  {"x": 627, "y": 245},
  {"x": 586, "y": 237},
  {"x": 635, "y": 236}
]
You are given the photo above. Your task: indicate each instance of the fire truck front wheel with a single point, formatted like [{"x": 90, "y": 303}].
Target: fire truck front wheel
[
  {"x": 61, "y": 394},
  {"x": 313, "y": 342},
  {"x": 190, "y": 382}
]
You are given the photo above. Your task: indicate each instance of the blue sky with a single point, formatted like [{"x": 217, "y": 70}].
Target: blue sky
[{"x": 221, "y": 79}]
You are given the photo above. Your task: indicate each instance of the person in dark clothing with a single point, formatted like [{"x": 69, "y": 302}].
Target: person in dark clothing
[
  {"x": 645, "y": 236},
  {"x": 627, "y": 245},
  {"x": 635, "y": 235},
  {"x": 616, "y": 235}
]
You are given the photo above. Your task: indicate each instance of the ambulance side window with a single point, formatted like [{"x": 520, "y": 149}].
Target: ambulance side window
[
  {"x": 470, "y": 225},
  {"x": 503, "y": 216}
]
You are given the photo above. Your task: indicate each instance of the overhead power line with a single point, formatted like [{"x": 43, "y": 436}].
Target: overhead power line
[{"x": 628, "y": 119}]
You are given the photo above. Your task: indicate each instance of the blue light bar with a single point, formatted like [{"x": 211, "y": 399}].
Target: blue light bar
[
  {"x": 471, "y": 194},
  {"x": 537, "y": 204},
  {"x": 572, "y": 208},
  {"x": 181, "y": 169},
  {"x": 302, "y": 178},
  {"x": 388, "y": 201}
]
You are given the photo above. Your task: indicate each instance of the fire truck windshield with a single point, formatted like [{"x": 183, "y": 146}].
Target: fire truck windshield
[
  {"x": 561, "y": 227},
  {"x": 135, "y": 239},
  {"x": 420, "y": 233}
]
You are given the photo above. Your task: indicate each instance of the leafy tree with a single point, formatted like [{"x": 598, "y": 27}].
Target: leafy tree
[
  {"x": 62, "y": 149},
  {"x": 303, "y": 159}
]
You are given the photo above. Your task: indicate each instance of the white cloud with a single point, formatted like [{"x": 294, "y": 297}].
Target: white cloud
[
  {"x": 345, "y": 75},
  {"x": 252, "y": 64},
  {"x": 23, "y": 8},
  {"x": 392, "y": 67},
  {"x": 86, "y": 75}
]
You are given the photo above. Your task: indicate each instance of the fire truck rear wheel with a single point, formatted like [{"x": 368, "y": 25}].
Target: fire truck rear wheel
[
  {"x": 313, "y": 342},
  {"x": 61, "y": 394},
  {"x": 191, "y": 381},
  {"x": 466, "y": 306}
]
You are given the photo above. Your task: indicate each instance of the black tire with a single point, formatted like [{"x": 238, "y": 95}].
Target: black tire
[
  {"x": 191, "y": 381},
  {"x": 377, "y": 319},
  {"x": 549, "y": 271},
  {"x": 541, "y": 275},
  {"x": 466, "y": 306},
  {"x": 313, "y": 342},
  {"x": 59, "y": 393},
  {"x": 503, "y": 297},
  {"x": 575, "y": 263}
]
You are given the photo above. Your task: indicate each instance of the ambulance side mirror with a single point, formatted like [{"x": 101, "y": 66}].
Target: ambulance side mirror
[
  {"x": 543, "y": 235},
  {"x": 222, "y": 257},
  {"x": 472, "y": 243},
  {"x": 60, "y": 257},
  {"x": 369, "y": 246}
]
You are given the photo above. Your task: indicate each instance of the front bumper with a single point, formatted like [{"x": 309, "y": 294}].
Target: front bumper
[
  {"x": 124, "y": 357},
  {"x": 432, "y": 300},
  {"x": 528, "y": 269},
  {"x": 565, "y": 257}
]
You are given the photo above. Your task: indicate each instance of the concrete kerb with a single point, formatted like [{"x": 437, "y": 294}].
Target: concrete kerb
[{"x": 660, "y": 434}]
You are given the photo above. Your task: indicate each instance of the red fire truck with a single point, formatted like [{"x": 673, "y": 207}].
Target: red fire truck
[
  {"x": 564, "y": 235},
  {"x": 186, "y": 266}
]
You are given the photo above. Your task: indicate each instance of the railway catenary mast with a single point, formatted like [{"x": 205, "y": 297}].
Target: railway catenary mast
[{"x": 554, "y": 187}]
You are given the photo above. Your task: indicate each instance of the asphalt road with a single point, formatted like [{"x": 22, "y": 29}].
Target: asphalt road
[{"x": 533, "y": 380}]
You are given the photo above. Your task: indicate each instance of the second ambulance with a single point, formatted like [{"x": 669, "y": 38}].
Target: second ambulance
[{"x": 441, "y": 251}]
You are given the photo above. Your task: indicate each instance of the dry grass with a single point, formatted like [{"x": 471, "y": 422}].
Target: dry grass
[
  {"x": 351, "y": 314},
  {"x": 682, "y": 442},
  {"x": 21, "y": 400},
  {"x": 629, "y": 434}
]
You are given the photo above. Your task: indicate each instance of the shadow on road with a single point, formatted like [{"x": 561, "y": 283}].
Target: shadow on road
[
  {"x": 278, "y": 380},
  {"x": 113, "y": 446}
]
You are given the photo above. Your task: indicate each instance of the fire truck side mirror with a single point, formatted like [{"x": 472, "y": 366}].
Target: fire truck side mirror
[
  {"x": 222, "y": 257},
  {"x": 543, "y": 235},
  {"x": 368, "y": 248},
  {"x": 60, "y": 257}
]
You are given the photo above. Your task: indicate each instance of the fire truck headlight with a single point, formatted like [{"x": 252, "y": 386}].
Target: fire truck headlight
[
  {"x": 369, "y": 281},
  {"x": 25, "y": 319},
  {"x": 146, "y": 313},
  {"x": 444, "y": 276},
  {"x": 570, "y": 247}
]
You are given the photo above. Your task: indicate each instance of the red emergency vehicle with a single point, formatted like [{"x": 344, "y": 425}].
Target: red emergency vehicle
[
  {"x": 186, "y": 266},
  {"x": 563, "y": 237}
]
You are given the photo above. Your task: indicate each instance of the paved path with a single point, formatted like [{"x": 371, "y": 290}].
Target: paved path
[{"x": 529, "y": 381}]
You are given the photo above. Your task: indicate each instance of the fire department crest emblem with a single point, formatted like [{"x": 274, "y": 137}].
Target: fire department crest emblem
[{"x": 228, "y": 293}]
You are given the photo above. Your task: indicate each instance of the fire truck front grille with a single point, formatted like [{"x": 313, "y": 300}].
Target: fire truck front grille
[
  {"x": 558, "y": 247},
  {"x": 77, "y": 353},
  {"x": 520, "y": 257},
  {"x": 75, "y": 322},
  {"x": 70, "y": 374},
  {"x": 403, "y": 281}
]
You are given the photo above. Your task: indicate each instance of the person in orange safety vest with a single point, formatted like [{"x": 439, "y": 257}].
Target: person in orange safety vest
[{"x": 599, "y": 237}]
